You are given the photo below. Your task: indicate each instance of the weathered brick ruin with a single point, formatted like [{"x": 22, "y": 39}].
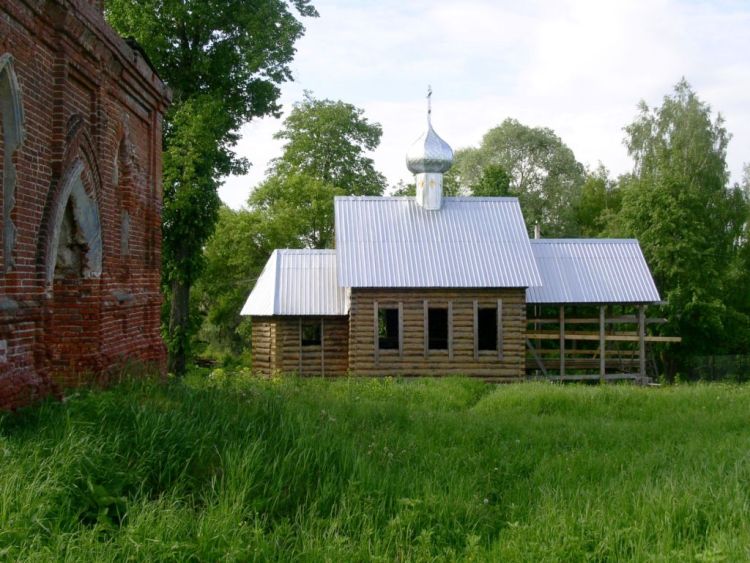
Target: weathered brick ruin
[{"x": 80, "y": 150}]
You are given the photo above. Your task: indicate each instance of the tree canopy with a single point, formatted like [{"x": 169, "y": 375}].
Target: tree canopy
[
  {"x": 224, "y": 61},
  {"x": 531, "y": 163},
  {"x": 689, "y": 222},
  {"x": 329, "y": 141},
  {"x": 325, "y": 155}
]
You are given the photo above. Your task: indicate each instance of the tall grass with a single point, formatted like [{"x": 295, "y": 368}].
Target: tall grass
[{"x": 354, "y": 470}]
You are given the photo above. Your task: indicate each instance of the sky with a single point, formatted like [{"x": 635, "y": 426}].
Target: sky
[{"x": 579, "y": 67}]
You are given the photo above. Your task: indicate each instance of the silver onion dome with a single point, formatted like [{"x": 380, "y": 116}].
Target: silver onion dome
[{"x": 429, "y": 153}]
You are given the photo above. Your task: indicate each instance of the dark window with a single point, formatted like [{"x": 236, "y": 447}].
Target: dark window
[
  {"x": 311, "y": 333},
  {"x": 487, "y": 328},
  {"x": 388, "y": 329},
  {"x": 437, "y": 328}
]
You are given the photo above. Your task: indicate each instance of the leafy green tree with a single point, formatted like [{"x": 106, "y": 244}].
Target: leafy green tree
[
  {"x": 296, "y": 211},
  {"x": 329, "y": 140},
  {"x": 596, "y": 210},
  {"x": 235, "y": 255},
  {"x": 543, "y": 171},
  {"x": 688, "y": 222},
  {"x": 494, "y": 182},
  {"x": 224, "y": 61},
  {"x": 325, "y": 155}
]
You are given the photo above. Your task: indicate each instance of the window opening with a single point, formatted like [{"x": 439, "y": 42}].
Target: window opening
[
  {"x": 487, "y": 328},
  {"x": 311, "y": 333},
  {"x": 437, "y": 328},
  {"x": 388, "y": 337}
]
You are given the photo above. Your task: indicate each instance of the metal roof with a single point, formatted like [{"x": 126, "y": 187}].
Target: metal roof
[
  {"x": 592, "y": 271},
  {"x": 469, "y": 242},
  {"x": 298, "y": 282}
]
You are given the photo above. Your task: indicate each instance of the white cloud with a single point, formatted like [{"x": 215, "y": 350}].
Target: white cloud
[{"x": 576, "y": 66}]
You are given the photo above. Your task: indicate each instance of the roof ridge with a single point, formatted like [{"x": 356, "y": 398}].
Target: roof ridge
[
  {"x": 582, "y": 240},
  {"x": 394, "y": 198}
]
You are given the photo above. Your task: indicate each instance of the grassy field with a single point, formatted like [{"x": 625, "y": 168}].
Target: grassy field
[{"x": 240, "y": 469}]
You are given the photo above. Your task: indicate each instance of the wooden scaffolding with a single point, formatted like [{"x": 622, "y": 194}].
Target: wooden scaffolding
[{"x": 583, "y": 342}]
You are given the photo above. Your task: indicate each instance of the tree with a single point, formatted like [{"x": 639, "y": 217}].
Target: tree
[
  {"x": 600, "y": 201},
  {"x": 494, "y": 182},
  {"x": 328, "y": 141},
  {"x": 678, "y": 205},
  {"x": 325, "y": 156},
  {"x": 296, "y": 211},
  {"x": 235, "y": 255},
  {"x": 543, "y": 172},
  {"x": 224, "y": 61}
]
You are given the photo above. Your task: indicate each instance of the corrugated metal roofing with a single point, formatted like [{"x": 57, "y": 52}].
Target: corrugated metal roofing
[
  {"x": 592, "y": 271},
  {"x": 298, "y": 282},
  {"x": 469, "y": 242}
]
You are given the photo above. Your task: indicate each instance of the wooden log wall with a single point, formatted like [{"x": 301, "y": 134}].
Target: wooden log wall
[
  {"x": 462, "y": 359},
  {"x": 277, "y": 346},
  {"x": 264, "y": 345}
]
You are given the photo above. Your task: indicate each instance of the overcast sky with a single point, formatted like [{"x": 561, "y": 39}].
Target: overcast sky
[{"x": 576, "y": 66}]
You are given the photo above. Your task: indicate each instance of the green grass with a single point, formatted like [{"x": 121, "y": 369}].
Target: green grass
[{"x": 378, "y": 470}]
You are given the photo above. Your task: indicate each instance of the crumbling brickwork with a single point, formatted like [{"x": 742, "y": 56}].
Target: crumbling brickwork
[{"x": 80, "y": 150}]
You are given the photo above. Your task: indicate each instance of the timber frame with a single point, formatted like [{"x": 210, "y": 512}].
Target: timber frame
[{"x": 580, "y": 342}]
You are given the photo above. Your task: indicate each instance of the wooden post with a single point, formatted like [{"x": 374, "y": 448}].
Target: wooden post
[
  {"x": 376, "y": 328},
  {"x": 562, "y": 340},
  {"x": 476, "y": 330},
  {"x": 642, "y": 342},
  {"x": 323, "y": 346},
  {"x": 426, "y": 328},
  {"x": 499, "y": 329},
  {"x": 450, "y": 330},
  {"x": 602, "y": 346},
  {"x": 400, "y": 329},
  {"x": 300, "y": 345}
]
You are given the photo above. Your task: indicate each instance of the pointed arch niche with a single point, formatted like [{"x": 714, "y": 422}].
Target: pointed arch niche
[
  {"x": 73, "y": 267},
  {"x": 74, "y": 248},
  {"x": 11, "y": 139}
]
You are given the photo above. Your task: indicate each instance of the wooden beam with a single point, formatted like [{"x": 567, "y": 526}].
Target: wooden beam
[
  {"x": 623, "y": 319},
  {"x": 562, "y": 340},
  {"x": 426, "y": 327},
  {"x": 476, "y": 330},
  {"x": 299, "y": 325},
  {"x": 377, "y": 332},
  {"x": 634, "y": 337},
  {"x": 450, "y": 330},
  {"x": 401, "y": 328},
  {"x": 499, "y": 329},
  {"x": 642, "y": 341},
  {"x": 539, "y": 361},
  {"x": 602, "y": 346}
]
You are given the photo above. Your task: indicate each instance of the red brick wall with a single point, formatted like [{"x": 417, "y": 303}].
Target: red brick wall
[{"x": 88, "y": 100}]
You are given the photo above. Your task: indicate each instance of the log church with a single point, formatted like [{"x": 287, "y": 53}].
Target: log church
[{"x": 432, "y": 285}]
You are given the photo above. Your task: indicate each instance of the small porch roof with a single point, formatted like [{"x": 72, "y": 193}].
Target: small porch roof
[{"x": 298, "y": 282}]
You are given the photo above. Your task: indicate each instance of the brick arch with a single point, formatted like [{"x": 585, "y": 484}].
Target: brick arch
[
  {"x": 73, "y": 198},
  {"x": 72, "y": 262},
  {"x": 13, "y": 134},
  {"x": 79, "y": 186}
]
